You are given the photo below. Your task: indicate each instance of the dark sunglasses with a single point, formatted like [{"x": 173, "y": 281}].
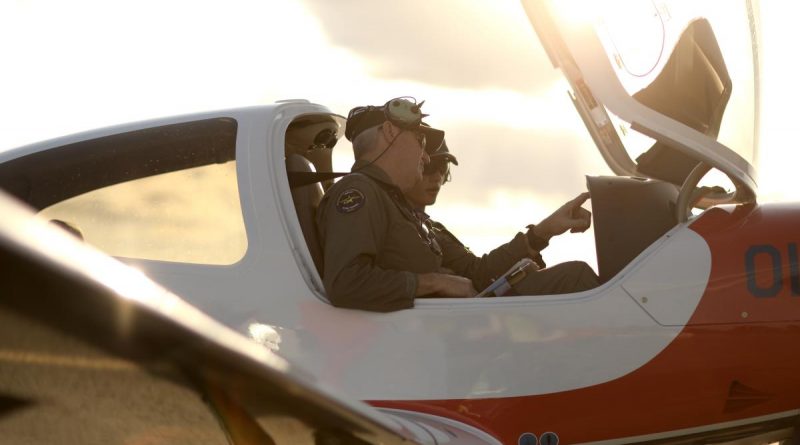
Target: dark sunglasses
[{"x": 440, "y": 165}]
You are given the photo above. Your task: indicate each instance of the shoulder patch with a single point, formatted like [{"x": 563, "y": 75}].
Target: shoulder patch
[{"x": 350, "y": 200}]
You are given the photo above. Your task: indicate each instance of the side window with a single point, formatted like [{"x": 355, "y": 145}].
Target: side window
[
  {"x": 167, "y": 194},
  {"x": 190, "y": 216}
]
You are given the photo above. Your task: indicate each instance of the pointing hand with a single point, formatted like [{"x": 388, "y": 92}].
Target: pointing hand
[{"x": 570, "y": 216}]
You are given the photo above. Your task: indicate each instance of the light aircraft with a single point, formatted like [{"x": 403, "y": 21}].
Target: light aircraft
[
  {"x": 690, "y": 338},
  {"x": 94, "y": 352}
]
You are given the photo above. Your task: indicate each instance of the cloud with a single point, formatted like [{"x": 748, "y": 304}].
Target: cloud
[
  {"x": 494, "y": 158},
  {"x": 547, "y": 165},
  {"x": 450, "y": 43},
  {"x": 510, "y": 177}
]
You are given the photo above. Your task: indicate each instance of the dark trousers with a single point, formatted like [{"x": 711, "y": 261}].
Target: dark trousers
[{"x": 564, "y": 278}]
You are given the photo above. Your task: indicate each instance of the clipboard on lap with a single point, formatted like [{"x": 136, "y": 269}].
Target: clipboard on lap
[{"x": 514, "y": 275}]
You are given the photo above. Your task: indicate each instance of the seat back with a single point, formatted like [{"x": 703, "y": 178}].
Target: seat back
[
  {"x": 693, "y": 88},
  {"x": 306, "y": 199}
]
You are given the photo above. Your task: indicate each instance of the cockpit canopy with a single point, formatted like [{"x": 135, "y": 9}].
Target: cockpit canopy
[{"x": 662, "y": 86}]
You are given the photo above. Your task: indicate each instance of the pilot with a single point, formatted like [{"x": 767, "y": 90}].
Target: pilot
[
  {"x": 573, "y": 276},
  {"x": 377, "y": 254}
]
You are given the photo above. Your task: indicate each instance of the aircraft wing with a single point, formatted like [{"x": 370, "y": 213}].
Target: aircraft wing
[{"x": 91, "y": 351}]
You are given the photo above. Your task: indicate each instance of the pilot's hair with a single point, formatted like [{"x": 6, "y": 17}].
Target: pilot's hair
[{"x": 365, "y": 142}]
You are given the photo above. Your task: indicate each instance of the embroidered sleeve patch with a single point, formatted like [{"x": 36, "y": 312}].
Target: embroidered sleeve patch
[{"x": 350, "y": 200}]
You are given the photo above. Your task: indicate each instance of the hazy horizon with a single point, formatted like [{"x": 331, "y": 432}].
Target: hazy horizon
[{"x": 486, "y": 80}]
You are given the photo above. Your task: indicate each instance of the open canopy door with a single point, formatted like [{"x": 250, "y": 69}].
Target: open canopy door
[{"x": 668, "y": 90}]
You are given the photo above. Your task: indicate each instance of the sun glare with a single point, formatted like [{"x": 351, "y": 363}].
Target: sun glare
[
  {"x": 122, "y": 62},
  {"x": 578, "y": 13},
  {"x": 779, "y": 156}
]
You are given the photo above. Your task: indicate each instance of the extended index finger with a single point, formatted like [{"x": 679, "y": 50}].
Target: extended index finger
[{"x": 580, "y": 199}]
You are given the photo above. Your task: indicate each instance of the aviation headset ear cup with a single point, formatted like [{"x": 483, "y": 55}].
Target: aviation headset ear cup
[
  {"x": 404, "y": 113},
  {"x": 306, "y": 135},
  {"x": 326, "y": 138}
]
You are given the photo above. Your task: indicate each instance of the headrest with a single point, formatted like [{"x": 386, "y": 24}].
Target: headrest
[{"x": 311, "y": 133}]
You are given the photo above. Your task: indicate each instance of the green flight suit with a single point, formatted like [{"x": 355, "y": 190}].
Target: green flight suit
[
  {"x": 568, "y": 277},
  {"x": 373, "y": 244}
]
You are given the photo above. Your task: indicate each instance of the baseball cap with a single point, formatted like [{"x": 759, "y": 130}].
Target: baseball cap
[{"x": 444, "y": 152}]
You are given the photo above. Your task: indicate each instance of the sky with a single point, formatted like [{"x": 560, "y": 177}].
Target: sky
[{"x": 523, "y": 151}]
